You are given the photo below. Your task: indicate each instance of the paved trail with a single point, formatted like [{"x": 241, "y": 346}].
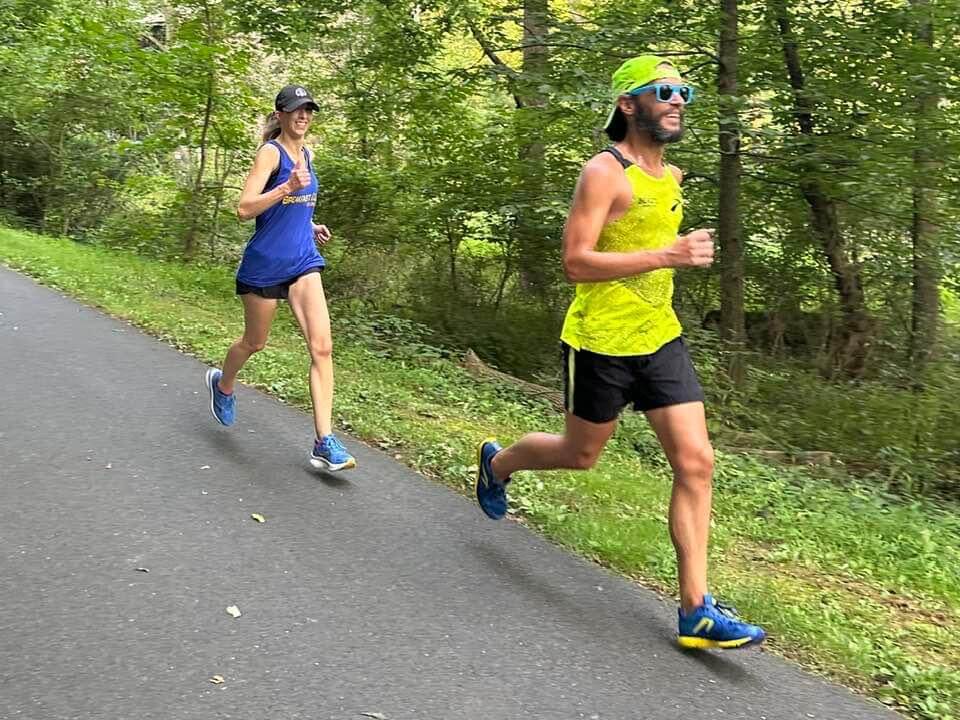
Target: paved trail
[{"x": 373, "y": 592}]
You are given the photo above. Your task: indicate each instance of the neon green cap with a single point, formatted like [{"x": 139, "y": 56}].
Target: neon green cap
[{"x": 637, "y": 72}]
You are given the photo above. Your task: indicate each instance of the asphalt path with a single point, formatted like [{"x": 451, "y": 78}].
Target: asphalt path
[{"x": 375, "y": 591}]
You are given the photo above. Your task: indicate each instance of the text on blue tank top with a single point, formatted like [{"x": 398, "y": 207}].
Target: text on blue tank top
[{"x": 282, "y": 246}]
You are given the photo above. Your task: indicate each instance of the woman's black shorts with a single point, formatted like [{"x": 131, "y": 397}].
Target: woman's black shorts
[{"x": 280, "y": 291}]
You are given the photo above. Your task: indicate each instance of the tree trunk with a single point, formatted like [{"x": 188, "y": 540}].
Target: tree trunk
[
  {"x": 925, "y": 315},
  {"x": 849, "y": 353},
  {"x": 56, "y": 159},
  {"x": 731, "y": 242},
  {"x": 218, "y": 201},
  {"x": 196, "y": 202},
  {"x": 453, "y": 246},
  {"x": 534, "y": 249}
]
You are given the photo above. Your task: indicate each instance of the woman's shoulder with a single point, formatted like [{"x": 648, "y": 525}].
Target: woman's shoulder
[
  {"x": 269, "y": 149},
  {"x": 267, "y": 157}
]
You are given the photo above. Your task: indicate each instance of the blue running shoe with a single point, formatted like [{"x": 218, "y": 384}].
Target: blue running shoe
[
  {"x": 330, "y": 454},
  {"x": 223, "y": 407},
  {"x": 491, "y": 493},
  {"x": 715, "y": 625}
]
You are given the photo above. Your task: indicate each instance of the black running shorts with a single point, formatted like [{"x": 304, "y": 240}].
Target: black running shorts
[
  {"x": 597, "y": 387},
  {"x": 280, "y": 291}
]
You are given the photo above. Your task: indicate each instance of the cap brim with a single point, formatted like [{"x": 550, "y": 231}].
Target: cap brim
[
  {"x": 613, "y": 111},
  {"x": 299, "y": 103},
  {"x": 612, "y": 115}
]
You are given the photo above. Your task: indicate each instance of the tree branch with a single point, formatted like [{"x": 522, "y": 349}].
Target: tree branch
[
  {"x": 147, "y": 36},
  {"x": 510, "y": 74}
]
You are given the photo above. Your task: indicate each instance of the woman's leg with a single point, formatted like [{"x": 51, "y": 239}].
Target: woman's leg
[
  {"x": 309, "y": 305},
  {"x": 258, "y": 315}
]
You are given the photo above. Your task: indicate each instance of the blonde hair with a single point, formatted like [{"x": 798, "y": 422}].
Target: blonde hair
[{"x": 271, "y": 128}]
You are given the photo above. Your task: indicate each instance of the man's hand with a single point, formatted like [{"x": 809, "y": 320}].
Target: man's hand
[
  {"x": 694, "y": 249},
  {"x": 321, "y": 234}
]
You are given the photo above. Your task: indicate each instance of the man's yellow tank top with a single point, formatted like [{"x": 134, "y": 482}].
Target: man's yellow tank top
[{"x": 634, "y": 315}]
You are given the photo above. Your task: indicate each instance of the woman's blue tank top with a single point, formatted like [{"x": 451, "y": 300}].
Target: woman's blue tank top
[{"x": 282, "y": 246}]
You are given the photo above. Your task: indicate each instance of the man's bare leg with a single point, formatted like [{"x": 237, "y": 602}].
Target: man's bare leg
[
  {"x": 577, "y": 449},
  {"x": 682, "y": 431}
]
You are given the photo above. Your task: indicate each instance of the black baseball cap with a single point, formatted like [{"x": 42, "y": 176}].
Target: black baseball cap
[{"x": 293, "y": 97}]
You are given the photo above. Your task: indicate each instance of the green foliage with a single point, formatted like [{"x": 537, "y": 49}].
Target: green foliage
[
  {"x": 902, "y": 436},
  {"x": 419, "y": 141}
]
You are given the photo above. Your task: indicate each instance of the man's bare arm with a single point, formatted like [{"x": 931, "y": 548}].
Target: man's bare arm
[{"x": 592, "y": 200}]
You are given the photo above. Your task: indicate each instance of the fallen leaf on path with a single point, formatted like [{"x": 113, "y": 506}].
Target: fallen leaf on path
[
  {"x": 205, "y": 467},
  {"x": 142, "y": 569},
  {"x": 378, "y": 716},
  {"x": 217, "y": 679},
  {"x": 234, "y": 611},
  {"x": 258, "y": 517}
]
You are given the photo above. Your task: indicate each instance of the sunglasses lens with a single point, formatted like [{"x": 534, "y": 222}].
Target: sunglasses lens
[
  {"x": 684, "y": 91},
  {"x": 664, "y": 93}
]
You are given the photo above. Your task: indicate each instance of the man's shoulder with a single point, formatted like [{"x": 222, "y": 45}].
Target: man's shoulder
[{"x": 603, "y": 165}]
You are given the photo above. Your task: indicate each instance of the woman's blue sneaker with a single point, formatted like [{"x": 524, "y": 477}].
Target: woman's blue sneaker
[
  {"x": 715, "y": 625},
  {"x": 491, "y": 493},
  {"x": 223, "y": 407},
  {"x": 330, "y": 454}
]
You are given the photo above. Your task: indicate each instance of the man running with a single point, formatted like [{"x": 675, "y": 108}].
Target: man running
[{"x": 622, "y": 340}]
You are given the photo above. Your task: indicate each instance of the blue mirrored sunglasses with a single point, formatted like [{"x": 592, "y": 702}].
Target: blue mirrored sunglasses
[{"x": 665, "y": 91}]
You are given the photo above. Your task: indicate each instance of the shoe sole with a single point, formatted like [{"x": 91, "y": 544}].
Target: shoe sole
[
  {"x": 480, "y": 476},
  {"x": 697, "y": 643},
  {"x": 320, "y": 463},
  {"x": 211, "y": 373}
]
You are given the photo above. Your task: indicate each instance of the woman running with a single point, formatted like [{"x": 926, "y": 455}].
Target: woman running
[{"x": 281, "y": 262}]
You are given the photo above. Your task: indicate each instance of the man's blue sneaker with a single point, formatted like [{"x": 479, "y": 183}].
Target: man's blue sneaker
[
  {"x": 223, "y": 407},
  {"x": 330, "y": 454},
  {"x": 715, "y": 625},
  {"x": 491, "y": 493}
]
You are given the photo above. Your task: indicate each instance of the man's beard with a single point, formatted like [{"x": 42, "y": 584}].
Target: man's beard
[{"x": 646, "y": 123}]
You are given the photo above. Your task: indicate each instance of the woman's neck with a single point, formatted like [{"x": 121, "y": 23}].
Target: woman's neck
[{"x": 293, "y": 145}]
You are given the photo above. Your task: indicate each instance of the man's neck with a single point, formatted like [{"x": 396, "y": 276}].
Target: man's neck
[{"x": 643, "y": 150}]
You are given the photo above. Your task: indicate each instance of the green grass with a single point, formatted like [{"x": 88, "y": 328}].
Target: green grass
[{"x": 852, "y": 583}]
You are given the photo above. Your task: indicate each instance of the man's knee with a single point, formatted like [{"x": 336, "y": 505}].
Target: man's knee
[
  {"x": 695, "y": 465},
  {"x": 582, "y": 458},
  {"x": 253, "y": 345}
]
